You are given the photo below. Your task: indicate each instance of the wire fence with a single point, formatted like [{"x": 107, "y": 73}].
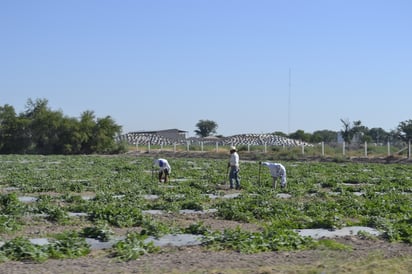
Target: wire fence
[{"x": 367, "y": 150}]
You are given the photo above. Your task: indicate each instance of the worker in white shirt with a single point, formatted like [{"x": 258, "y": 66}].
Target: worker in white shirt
[
  {"x": 276, "y": 170},
  {"x": 164, "y": 169},
  {"x": 234, "y": 168}
]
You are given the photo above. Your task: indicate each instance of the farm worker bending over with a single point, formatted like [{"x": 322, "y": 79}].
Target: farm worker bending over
[
  {"x": 276, "y": 170},
  {"x": 234, "y": 168},
  {"x": 164, "y": 169}
]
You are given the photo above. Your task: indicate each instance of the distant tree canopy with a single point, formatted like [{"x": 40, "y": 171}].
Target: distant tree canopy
[
  {"x": 360, "y": 133},
  {"x": 327, "y": 136},
  {"x": 205, "y": 128},
  {"x": 355, "y": 129},
  {"x": 355, "y": 132},
  {"x": 280, "y": 133},
  {"x": 404, "y": 130},
  {"x": 300, "y": 135},
  {"x": 347, "y": 133},
  {"x": 39, "y": 130}
]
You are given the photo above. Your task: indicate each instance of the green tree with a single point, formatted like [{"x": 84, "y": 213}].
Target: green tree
[
  {"x": 206, "y": 128},
  {"x": 43, "y": 131},
  {"x": 346, "y": 132},
  {"x": 378, "y": 135},
  {"x": 43, "y": 126},
  {"x": 300, "y": 135},
  {"x": 404, "y": 130},
  {"x": 69, "y": 136},
  {"x": 355, "y": 132},
  {"x": 87, "y": 131},
  {"x": 104, "y": 136},
  {"x": 97, "y": 135},
  {"x": 361, "y": 131},
  {"x": 327, "y": 136},
  {"x": 280, "y": 134},
  {"x": 13, "y": 133}
]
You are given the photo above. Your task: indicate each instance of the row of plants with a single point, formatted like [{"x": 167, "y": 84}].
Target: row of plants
[
  {"x": 63, "y": 245},
  {"x": 73, "y": 244}
]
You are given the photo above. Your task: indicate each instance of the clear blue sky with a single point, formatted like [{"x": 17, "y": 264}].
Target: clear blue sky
[{"x": 251, "y": 66}]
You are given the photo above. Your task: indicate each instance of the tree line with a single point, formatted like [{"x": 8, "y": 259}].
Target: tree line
[
  {"x": 356, "y": 132},
  {"x": 352, "y": 132},
  {"x": 40, "y": 130}
]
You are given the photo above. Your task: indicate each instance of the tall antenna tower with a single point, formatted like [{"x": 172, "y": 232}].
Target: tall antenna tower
[{"x": 289, "y": 98}]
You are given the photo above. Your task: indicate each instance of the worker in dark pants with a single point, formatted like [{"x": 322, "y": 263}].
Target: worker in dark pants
[{"x": 234, "y": 168}]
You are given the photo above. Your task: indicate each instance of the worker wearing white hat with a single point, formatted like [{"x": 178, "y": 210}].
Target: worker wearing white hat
[{"x": 234, "y": 168}]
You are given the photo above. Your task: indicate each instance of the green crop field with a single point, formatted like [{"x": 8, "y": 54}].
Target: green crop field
[{"x": 112, "y": 195}]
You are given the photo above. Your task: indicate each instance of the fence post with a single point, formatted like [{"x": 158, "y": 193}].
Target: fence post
[
  {"x": 265, "y": 148},
  {"x": 366, "y": 149},
  {"x": 343, "y": 148},
  {"x": 389, "y": 148},
  {"x": 409, "y": 149},
  {"x": 303, "y": 149},
  {"x": 201, "y": 146},
  {"x": 148, "y": 146},
  {"x": 187, "y": 146},
  {"x": 323, "y": 149},
  {"x": 248, "y": 147},
  {"x": 174, "y": 147},
  {"x": 217, "y": 146}
]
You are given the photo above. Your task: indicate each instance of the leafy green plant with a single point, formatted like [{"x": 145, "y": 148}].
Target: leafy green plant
[
  {"x": 118, "y": 214},
  {"x": 192, "y": 204},
  {"x": 404, "y": 229},
  {"x": 9, "y": 223},
  {"x": 234, "y": 210},
  {"x": 235, "y": 239},
  {"x": 253, "y": 242},
  {"x": 197, "y": 229},
  {"x": 286, "y": 239},
  {"x": 46, "y": 205},
  {"x": 10, "y": 205},
  {"x": 101, "y": 232},
  {"x": 155, "y": 228},
  {"x": 21, "y": 249},
  {"x": 3, "y": 257},
  {"x": 68, "y": 245},
  {"x": 57, "y": 214},
  {"x": 133, "y": 247}
]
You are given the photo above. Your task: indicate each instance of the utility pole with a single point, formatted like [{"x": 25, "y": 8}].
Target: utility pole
[{"x": 289, "y": 98}]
